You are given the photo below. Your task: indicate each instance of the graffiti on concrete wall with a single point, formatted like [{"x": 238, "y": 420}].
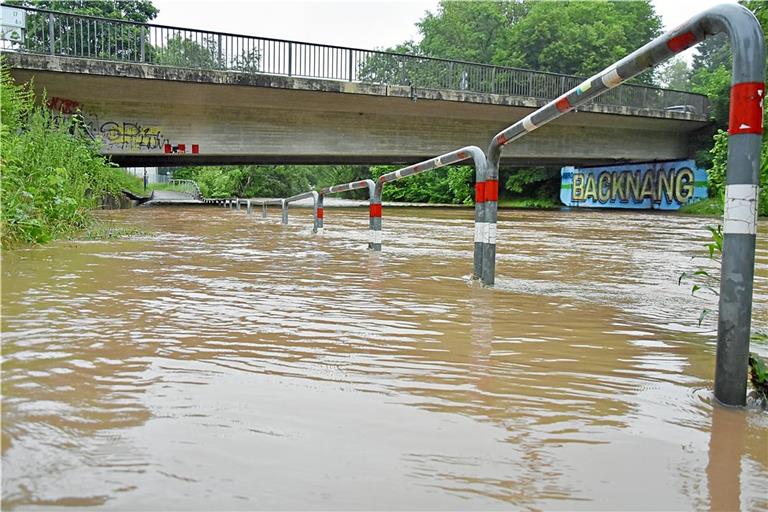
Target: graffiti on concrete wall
[
  {"x": 115, "y": 133},
  {"x": 63, "y": 105},
  {"x": 653, "y": 185},
  {"x": 130, "y": 135}
]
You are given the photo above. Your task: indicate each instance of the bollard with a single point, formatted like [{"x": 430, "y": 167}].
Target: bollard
[
  {"x": 320, "y": 214},
  {"x": 374, "y": 217}
]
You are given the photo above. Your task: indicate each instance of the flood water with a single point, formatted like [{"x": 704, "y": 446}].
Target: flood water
[{"x": 228, "y": 362}]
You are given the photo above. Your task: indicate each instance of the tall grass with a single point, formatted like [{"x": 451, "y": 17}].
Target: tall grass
[{"x": 51, "y": 176}]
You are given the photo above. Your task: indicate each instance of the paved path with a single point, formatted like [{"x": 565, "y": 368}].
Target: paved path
[{"x": 160, "y": 197}]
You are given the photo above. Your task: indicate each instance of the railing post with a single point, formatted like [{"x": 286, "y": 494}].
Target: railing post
[
  {"x": 290, "y": 59},
  {"x": 319, "y": 214},
  {"x": 50, "y": 32},
  {"x": 218, "y": 49},
  {"x": 143, "y": 31},
  {"x": 374, "y": 216},
  {"x": 315, "y": 212},
  {"x": 351, "y": 52},
  {"x": 479, "y": 223},
  {"x": 490, "y": 207},
  {"x": 264, "y": 210},
  {"x": 285, "y": 211},
  {"x": 248, "y": 207}
]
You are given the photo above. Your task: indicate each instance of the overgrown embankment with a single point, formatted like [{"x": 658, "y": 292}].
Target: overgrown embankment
[
  {"x": 52, "y": 175},
  {"x": 716, "y": 179}
]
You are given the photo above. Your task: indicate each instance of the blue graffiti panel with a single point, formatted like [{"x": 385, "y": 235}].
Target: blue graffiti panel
[{"x": 652, "y": 185}]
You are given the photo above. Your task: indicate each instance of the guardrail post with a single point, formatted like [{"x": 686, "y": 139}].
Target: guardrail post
[
  {"x": 249, "y": 208},
  {"x": 374, "y": 217},
  {"x": 237, "y": 204},
  {"x": 315, "y": 201},
  {"x": 490, "y": 207},
  {"x": 50, "y": 33},
  {"x": 319, "y": 214},
  {"x": 285, "y": 211},
  {"x": 264, "y": 210},
  {"x": 737, "y": 268},
  {"x": 479, "y": 223}
]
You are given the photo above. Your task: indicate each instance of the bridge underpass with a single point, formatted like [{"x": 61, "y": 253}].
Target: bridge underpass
[{"x": 149, "y": 115}]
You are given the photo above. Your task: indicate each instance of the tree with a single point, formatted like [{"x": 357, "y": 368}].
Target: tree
[
  {"x": 676, "y": 74},
  {"x": 186, "y": 53},
  {"x": 470, "y": 31},
  {"x": 140, "y": 11},
  {"x": 580, "y": 38},
  {"x": 71, "y": 36}
]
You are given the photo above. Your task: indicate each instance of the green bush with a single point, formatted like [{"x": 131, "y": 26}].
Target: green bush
[
  {"x": 51, "y": 177},
  {"x": 450, "y": 185},
  {"x": 716, "y": 174}
]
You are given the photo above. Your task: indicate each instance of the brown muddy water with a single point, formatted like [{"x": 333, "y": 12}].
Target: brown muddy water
[{"x": 230, "y": 363}]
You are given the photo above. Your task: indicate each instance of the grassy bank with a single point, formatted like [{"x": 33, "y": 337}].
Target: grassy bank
[
  {"x": 52, "y": 175},
  {"x": 547, "y": 204}
]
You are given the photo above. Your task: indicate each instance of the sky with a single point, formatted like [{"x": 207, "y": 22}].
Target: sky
[{"x": 358, "y": 24}]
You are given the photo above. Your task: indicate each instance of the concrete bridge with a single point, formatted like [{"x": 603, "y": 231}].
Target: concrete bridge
[{"x": 255, "y": 100}]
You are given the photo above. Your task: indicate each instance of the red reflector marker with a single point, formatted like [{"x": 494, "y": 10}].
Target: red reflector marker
[
  {"x": 480, "y": 192},
  {"x": 563, "y": 105},
  {"x": 681, "y": 42},
  {"x": 492, "y": 190},
  {"x": 746, "y": 114}
]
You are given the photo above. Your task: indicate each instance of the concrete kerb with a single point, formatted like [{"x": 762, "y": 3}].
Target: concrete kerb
[{"x": 742, "y": 175}]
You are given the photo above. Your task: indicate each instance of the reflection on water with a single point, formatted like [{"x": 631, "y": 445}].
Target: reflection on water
[{"x": 229, "y": 362}]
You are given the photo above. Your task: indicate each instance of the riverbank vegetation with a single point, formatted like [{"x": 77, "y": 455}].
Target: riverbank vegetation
[{"x": 52, "y": 175}]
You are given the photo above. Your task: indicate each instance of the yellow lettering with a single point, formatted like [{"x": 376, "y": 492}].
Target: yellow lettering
[
  {"x": 633, "y": 185},
  {"x": 604, "y": 187},
  {"x": 578, "y": 187},
  {"x": 647, "y": 185},
  {"x": 684, "y": 185},
  {"x": 618, "y": 188},
  {"x": 591, "y": 192},
  {"x": 665, "y": 189}
]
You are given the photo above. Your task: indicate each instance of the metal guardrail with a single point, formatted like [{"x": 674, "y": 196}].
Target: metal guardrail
[
  {"x": 742, "y": 176},
  {"x": 187, "y": 186},
  {"x": 56, "y": 33}
]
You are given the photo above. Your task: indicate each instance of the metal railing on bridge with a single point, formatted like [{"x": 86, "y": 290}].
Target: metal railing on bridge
[
  {"x": 57, "y": 33},
  {"x": 187, "y": 186}
]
